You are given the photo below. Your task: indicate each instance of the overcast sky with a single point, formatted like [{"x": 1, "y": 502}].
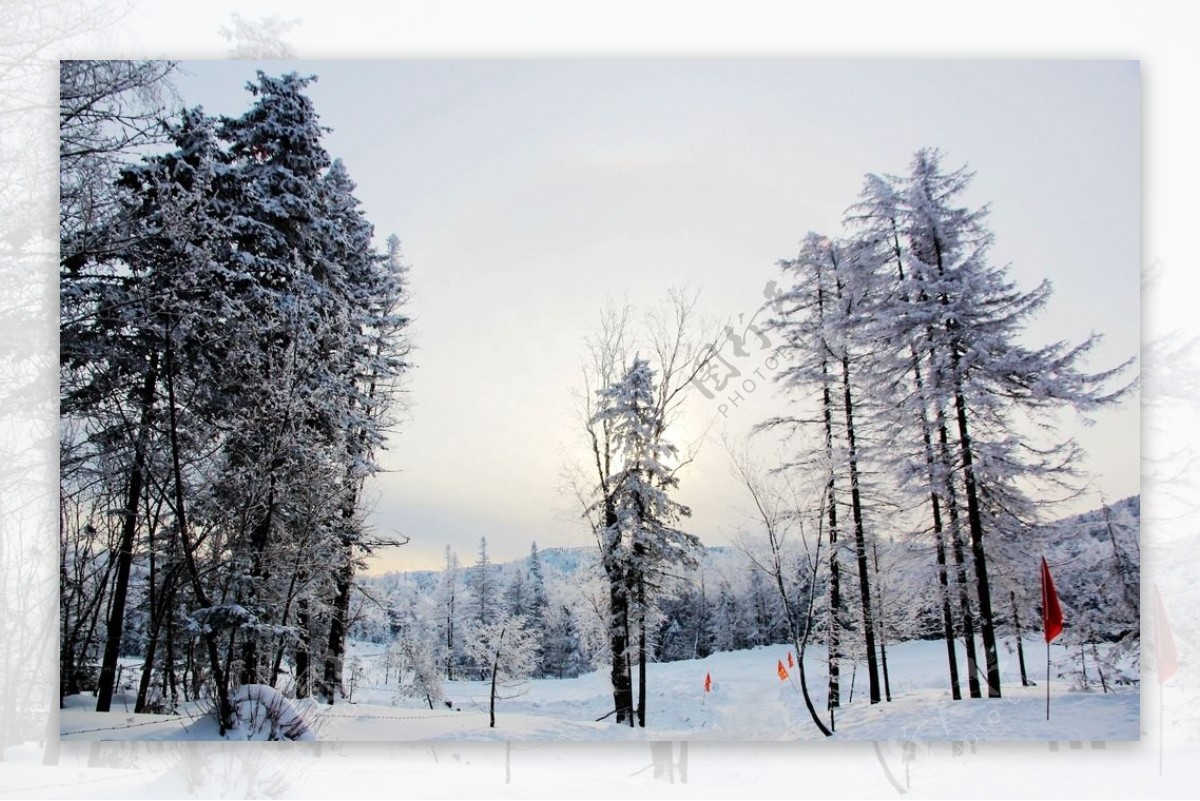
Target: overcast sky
[{"x": 529, "y": 194}]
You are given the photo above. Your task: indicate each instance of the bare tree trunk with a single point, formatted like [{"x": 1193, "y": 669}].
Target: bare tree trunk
[
  {"x": 139, "y": 705},
  {"x": 337, "y": 627},
  {"x": 303, "y": 663},
  {"x": 641, "y": 704},
  {"x": 298, "y": 576},
  {"x": 170, "y": 680},
  {"x": 860, "y": 546},
  {"x": 259, "y": 535},
  {"x": 1012, "y": 597},
  {"x": 835, "y": 592},
  {"x": 618, "y": 626},
  {"x": 935, "y": 506},
  {"x": 947, "y": 614},
  {"x": 618, "y": 645},
  {"x": 495, "y": 671},
  {"x": 1099, "y": 668},
  {"x": 221, "y": 687},
  {"x": 116, "y": 618},
  {"x": 882, "y": 620},
  {"x": 974, "y": 516},
  {"x": 975, "y": 520},
  {"x": 964, "y": 596}
]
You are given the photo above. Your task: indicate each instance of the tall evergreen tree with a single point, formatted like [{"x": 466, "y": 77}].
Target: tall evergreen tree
[
  {"x": 819, "y": 315},
  {"x": 642, "y": 538},
  {"x": 231, "y": 342},
  {"x": 481, "y": 581},
  {"x": 962, "y": 319}
]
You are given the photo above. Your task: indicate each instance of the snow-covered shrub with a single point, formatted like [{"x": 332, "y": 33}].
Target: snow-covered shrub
[{"x": 262, "y": 713}]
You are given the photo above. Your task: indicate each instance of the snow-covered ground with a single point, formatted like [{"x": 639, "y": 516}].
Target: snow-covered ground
[{"x": 748, "y": 702}]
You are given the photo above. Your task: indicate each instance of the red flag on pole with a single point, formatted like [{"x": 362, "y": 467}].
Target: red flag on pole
[
  {"x": 708, "y": 682},
  {"x": 783, "y": 674},
  {"x": 1052, "y": 617},
  {"x": 1164, "y": 641},
  {"x": 791, "y": 664}
]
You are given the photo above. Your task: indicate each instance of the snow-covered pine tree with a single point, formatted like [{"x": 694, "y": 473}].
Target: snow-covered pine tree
[
  {"x": 448, "y": 592},
  {"x": 964, "y": 318},
  {"x": 901, "y": 381},
  {"x": 277, "y": 450},
  {"x": 538, "y": 605},
  {"x": 681, "y": 353},
  {"x": 420, "y": 652},
  {"x": 642, "y": 538},
  {"x": 364, "y": 357},
  {"x": 137, "y": 313},
  {"x": 561, "y": 653},
  {"x": 108, "y": 111},
  {"x": 239, "y": 320},
  {"x": 481, "y": 581},
  {"x": 516, "y": 595},
  {"x": 819, "y": 317}
]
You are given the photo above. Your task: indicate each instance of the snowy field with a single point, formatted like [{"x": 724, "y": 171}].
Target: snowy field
[{"x": 748, "y": 702}]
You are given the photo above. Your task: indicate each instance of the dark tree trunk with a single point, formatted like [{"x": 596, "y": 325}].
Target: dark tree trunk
[
  {"x": 170, "y": 680},
  {"x": 495, "y": 671},
  {"x": 298, "y": 576},
  {"x": 259, "y": 536},
  {"x": 964, "y": 595},
  {"x": 879, "y": 616},
  {"x": 935, "y": 505},
  {"x": 835, "y": 599},
  {"x": 137, "y": 476},
  {"x": 860, "y": 545},
  {"x": 221, "y": 686},
  {"x": 939, "y": 536},
  {"x": 1012, "y": 597},
  {"x": 641, "y": 704},
  {"x": 974, "y": 516},
  {"x": 139, "y": 705},
  {"x": 161, "y": 609},
  {"x": 947, "y": 614},
  {"x": 303, "y": 669},
  {"x": 835, "y": 591},
  {"x": 964, "y": 600},
  {"x": 450, "y": 632},
  {"x": 799, "y": 635},
  {"x": 975, "y": 520},
  {"x": 619, "y": 644},
  {"x": 337, "y": 626},
  {"x": 618, "y": 628}
]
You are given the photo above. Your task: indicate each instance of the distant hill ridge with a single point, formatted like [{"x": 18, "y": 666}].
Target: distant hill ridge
[{"x": 1065, "y": 538}]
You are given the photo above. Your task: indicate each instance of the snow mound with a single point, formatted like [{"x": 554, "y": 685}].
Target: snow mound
[{"x": 262, "y": 710}]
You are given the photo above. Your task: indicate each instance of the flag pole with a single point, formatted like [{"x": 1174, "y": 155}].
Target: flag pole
[
  {"x": 1047, "y": 681},
  {"x": 1052, "y": 621}
]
